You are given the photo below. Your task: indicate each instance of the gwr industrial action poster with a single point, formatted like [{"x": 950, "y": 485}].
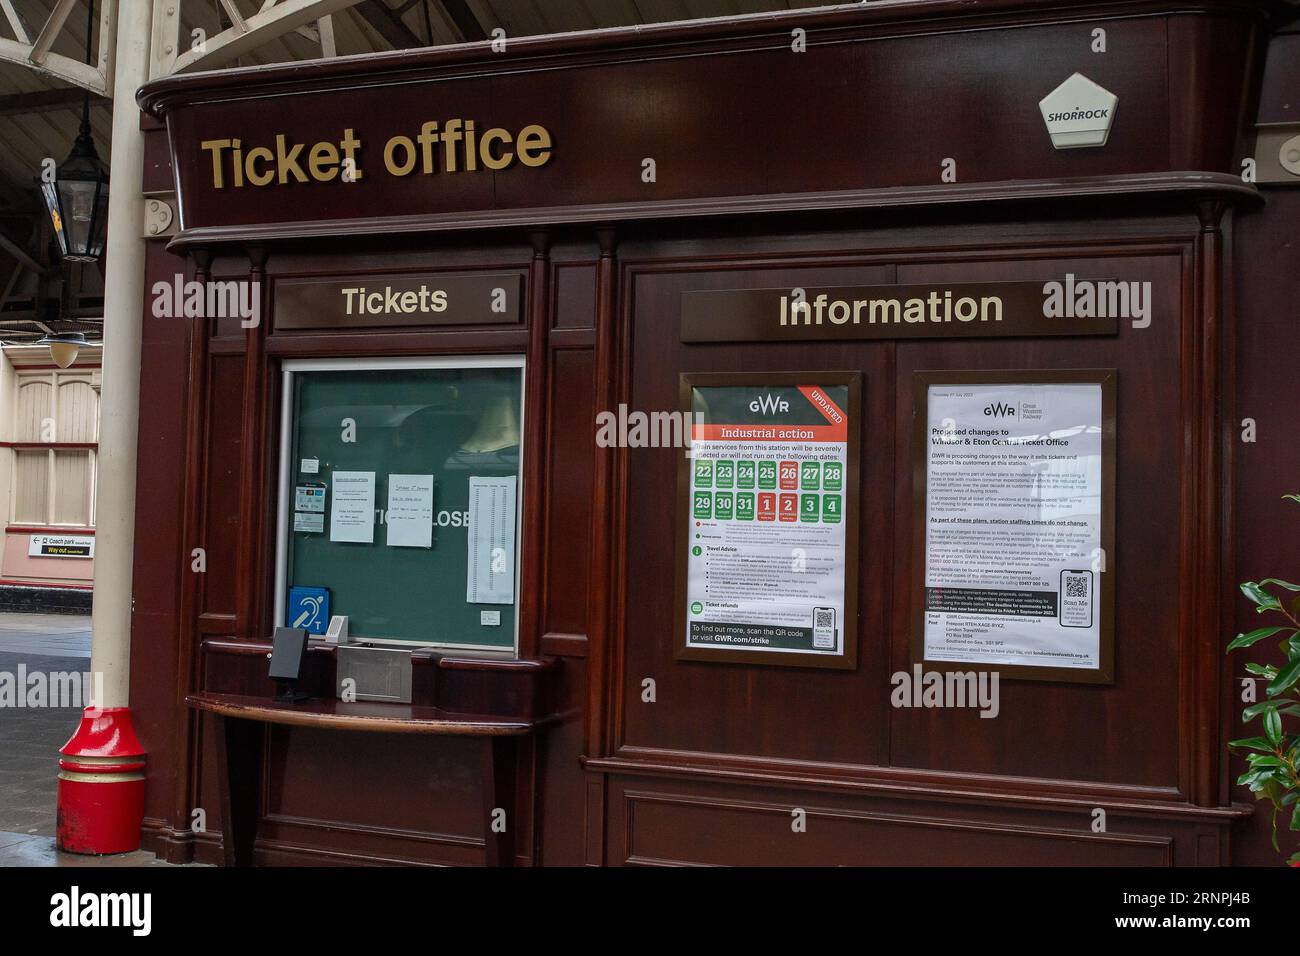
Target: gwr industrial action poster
[{"x": 766, "y": 542}]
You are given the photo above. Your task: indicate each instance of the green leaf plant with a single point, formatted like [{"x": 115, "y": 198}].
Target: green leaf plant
[{"x": 1272, "y": 758}]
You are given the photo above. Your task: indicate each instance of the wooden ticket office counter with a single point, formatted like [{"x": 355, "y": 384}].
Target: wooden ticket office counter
[{"x": 602, "y": 178}]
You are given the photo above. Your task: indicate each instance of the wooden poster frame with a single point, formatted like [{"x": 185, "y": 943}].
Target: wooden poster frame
[
  {"x": 848, "y": 660},
  {"x": 1106, "y": 378}
]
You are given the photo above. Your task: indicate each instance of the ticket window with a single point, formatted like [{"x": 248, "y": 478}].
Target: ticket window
[{"x": 401, "y": 498}]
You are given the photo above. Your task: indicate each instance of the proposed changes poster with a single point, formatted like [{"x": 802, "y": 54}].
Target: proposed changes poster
[
  {"x": 1016, "y": 504},
  {"x": 767, "y": 519}
]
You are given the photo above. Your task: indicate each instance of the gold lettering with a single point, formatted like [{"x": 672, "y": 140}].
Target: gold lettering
[
  {"x": 323, "y": 162},
  {"x": 428, "y": 136},
  {"x": 288, "y": 162},
  {"x": 389, "y": 148},
  {"x": 238, "y": 168},
  {"x": 471, "y": 154},
  {"x": 216, "y": 145},
  {"x": 451, "y": 134},
  {"x": 255, "y": 154},
  {"x": 350, "y": 144},
  {"x": 485, "y": 149},
  {"x": 533, "y": 138},
  {"x": 454, "y": 145}
]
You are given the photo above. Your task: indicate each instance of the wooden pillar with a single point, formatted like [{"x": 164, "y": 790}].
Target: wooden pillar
[
  {"x": 532, "y": 603},
  {"x": 604, "y": 501},
  {"x": 192, "y": 525},
  {"x": 253, "y": 499},
  {"x": 1205, "y": 504},
  {"x": 536, "y": 441}
]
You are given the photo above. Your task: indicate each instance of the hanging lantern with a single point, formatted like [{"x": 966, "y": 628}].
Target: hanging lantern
[{"x": 77, "y": 199}]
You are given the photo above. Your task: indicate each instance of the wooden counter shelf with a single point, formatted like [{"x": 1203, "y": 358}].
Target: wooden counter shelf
[
  {"x": 240, "y": 741},
  {"x": 362, "y": 716}
]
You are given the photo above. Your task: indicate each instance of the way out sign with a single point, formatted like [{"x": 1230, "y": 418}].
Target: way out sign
[{"x": 61, "y": 546}]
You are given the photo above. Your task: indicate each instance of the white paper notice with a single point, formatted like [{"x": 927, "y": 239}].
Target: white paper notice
[
  {"x": 308, "y": 522},
  {"x": 410, "y": 511},
  {"x": 352, "y": 514},
  {"x": 1013, "y": 524},
  {"x": 309, "y": 498},
  {"x": 491, "y": 573}
]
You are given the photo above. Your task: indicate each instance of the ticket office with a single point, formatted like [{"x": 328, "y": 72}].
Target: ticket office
[
  {"x": 615, "y": 307},
  {"x": 431, "y": 401}
]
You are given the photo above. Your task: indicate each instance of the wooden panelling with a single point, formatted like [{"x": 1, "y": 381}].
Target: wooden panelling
[
  {"x": 575, "y": 295},
  {"x": 660, "y": 828},
  {"x": 372, "y": 784},
  {"x": 770, "y": 710},
  {"x": 1278, "y": 102},
  {"x": 1058, "y": 730},
  {"x": 221, "y": 482},
  {"x": 561, "y": 793},
  {"x": 1267, "y": 394},
  {"x": 569, "y": 463},
  {"x": 777, "y": 718},
  {"x": 1207, "y": 117}
]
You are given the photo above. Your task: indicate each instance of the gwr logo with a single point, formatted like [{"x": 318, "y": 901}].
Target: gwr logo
[
  {"x": 769, "y": 405},
  {"x": 1000, "y": 410}
]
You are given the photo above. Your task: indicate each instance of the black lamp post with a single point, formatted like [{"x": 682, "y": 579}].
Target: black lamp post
[{"x": 77, "y": 199}]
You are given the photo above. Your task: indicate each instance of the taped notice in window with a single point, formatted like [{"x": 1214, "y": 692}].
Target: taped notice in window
[{"x": 491, "y": 572}]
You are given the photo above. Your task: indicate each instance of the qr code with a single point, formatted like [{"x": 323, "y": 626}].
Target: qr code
[
  {"x": 1076, "y": 587},
  {"x": 824, "y": 618}
]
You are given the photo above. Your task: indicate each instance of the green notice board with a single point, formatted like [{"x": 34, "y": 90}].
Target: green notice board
[{"x": 437, "y": 448}]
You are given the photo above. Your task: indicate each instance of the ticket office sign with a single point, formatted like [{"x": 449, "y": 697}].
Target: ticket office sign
[
  {"x": 1014, "y": 511},
  {"x": 767, "y": 520}
]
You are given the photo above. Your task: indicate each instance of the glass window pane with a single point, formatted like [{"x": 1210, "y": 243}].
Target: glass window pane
[
  {"x": 78, "y": 411},
  {"x": 32, "y": 418},
  {"x": 415, "y": 439},
  {"x": 31, "y": 486},
  {"x": 72, "y": 487}
]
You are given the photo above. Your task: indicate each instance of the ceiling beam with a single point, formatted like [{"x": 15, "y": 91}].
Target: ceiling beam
[
  {"x": 54, "y": 64},
  {"x": 53, "y": 27},
  {"x": 15, "y": 21},
  {"x": 19, "y": 253},
  {"x": 40, "y": 101},
  {"x": 37, "y": 54},
  {"x": 465, "y": 21},
  {"x": 388, "y": 24},
  {"x": 325, "y": 31},
  {"x": 275, "y": 19}
]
